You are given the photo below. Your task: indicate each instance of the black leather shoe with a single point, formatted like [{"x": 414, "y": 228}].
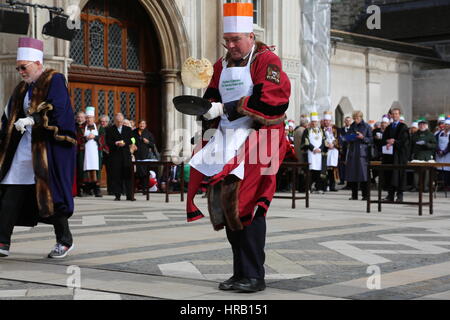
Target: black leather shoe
[
  {"x": 131, "y": 199},
  {"x": 353, "y": 198},
  {"x": 249, "y": 285},
  {"x": 228, "y": 285},
  {"x": 117, "y": 198}
]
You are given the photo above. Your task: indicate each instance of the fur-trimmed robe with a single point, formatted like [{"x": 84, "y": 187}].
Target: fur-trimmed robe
[
  {"x": 53, "y": 144},
  {"x": 238, "y": 200}
]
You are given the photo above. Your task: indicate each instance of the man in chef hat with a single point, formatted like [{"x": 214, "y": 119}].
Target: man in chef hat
[{"x": 248, "y": 90}]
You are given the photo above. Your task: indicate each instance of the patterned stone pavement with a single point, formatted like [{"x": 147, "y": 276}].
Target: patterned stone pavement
[{"x": 147, "y": 250}]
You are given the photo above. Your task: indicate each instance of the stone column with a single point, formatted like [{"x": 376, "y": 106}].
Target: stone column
[
  {"x": 169, "y": 80},
  {"x": 9, "y": 79},
  {"x": 373, "y": 82}
]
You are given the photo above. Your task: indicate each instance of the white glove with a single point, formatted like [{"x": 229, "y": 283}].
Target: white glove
[
  {"x": 22, "y": 123},
  {"x": 215, "y": 111},
  {"x": 420, "y": 143}
]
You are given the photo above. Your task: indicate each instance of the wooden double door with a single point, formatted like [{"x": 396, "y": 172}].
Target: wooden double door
[{"x": 107, "y": 99}]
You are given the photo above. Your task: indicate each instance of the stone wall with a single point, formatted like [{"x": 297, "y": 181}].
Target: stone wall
[
  {"x": 431, "y": 94},
  {"x": 345, "y": 13}
]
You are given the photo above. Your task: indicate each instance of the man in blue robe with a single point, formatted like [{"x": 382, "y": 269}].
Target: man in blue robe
[{"x": 37, "y": 152}]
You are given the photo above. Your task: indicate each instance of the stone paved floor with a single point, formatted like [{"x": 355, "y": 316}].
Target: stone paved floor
[{"x": 147, "y": 250}]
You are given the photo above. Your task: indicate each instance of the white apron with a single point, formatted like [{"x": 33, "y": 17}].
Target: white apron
[
  {"x": 91, "y": 151},
  {"x": 235, "y": 83},
  {"x": 315, "y": 159},
  {"x": 333, "y": 154},
  {"x": 443, "y": 143}
]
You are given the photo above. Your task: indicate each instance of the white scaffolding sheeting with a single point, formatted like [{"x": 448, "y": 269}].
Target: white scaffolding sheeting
[{"x": 316, "y": 54}]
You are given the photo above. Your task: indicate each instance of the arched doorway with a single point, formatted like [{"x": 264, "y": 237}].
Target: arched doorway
[
  {"x": 339, "y": 117},
  {"x": 117, "y": 62},
  {"x": 346, "y": 106},
  {"x": 165, "y": 37}
]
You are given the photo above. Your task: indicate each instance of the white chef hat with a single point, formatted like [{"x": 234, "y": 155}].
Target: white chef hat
[
  {"x": 314, "y": 116},
  {"x": 327, "y": 115},
  {"x": 90, "y": 111},
  {"x": 238, "y": 17}
]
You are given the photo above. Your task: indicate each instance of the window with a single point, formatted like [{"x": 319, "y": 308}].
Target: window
[
  {"x": 108, "y": 38},
  {"x": 256, "y": 11}
]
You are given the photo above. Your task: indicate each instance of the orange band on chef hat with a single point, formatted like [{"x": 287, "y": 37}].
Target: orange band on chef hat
[{"x": 238, "y": 17}]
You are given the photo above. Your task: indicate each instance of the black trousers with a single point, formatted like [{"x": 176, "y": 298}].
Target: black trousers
[
  {"x": 248, "y": 248},
  {"x": 15, "y": 199},
  {"x": 105, "y": 163},
  {"x": 358, "y": 186},
  {"x": 330, "y": 179},
  {"x": 121, "y": 181},
  {"x": 316, "y": 178},
  {"x": 444, "y": 176}
]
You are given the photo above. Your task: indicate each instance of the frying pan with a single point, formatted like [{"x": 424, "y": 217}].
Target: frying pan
[{"x": 191, "y": 105}]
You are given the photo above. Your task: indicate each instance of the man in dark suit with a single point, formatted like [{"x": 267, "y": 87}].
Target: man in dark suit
[
  {"x": 396, "y": 143},
  {"x": 118, "y": 139}
]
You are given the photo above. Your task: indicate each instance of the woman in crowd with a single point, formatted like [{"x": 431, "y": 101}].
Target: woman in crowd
[
  {"x": 145, "y": 143},
  {"x": 359, "y": 140}
]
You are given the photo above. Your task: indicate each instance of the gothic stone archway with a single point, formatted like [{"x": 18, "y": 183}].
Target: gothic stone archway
[{"x": 173, "y": 46}]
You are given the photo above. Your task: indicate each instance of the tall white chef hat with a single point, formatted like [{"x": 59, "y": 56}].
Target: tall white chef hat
[
  {"x": 238, "y": 17},
  {"x": 90, "y": 111}
]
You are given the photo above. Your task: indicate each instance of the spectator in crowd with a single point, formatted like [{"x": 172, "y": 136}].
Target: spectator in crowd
[
  {"x": 298, "y": 134},
  {"x": 377, "y": 125},
  {"x": 152, "y": 182},
  {"x": 423, "y": 147},
  {"x": 396, "y": 148},
  {"x": 301, "y": 154},
  {"x": 414, "y": 128},
  {"x": 313, "y": 142},
  {"x": 80, "y": 120},
  {"x": 145, "y": 143},
  {"x": 291, "y": 128},
  {"x": 441, "y": 124},
  {"x": 410, "y": 173},
  {"x": 443, "y": 152},
  {"x": 118, "y": 138},
  {"x": 104, "y": 123},
  {"x": 132, "y": 125},
  {"x": 92, "y": 140},
  {"x": 333, "y": 146},
  {"x": 342, "y": 132},
  {"x": 377, "y": 141},
  {"x": 127, "y": 123},
  {"x": 371, "y": 124},
  {"x": 359, "y": 139},
  {"x": 172, "y": 174},
  {"x": 284, "y": 176}
]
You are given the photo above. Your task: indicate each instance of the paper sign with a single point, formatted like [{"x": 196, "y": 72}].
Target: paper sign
[{"x": 385, "y": 150}]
